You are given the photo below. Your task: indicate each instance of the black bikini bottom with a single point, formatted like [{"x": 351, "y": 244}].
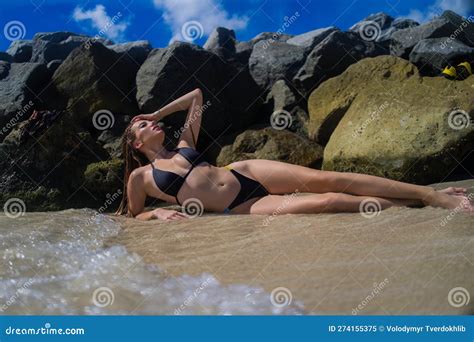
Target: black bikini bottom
[{"x": 249, "y": 189}]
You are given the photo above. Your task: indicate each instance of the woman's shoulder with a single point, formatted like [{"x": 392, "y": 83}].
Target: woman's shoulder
[{"x": 139, "y": 172}]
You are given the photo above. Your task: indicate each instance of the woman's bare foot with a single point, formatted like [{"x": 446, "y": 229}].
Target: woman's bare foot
[
  {"x": 444, "y": 200},
  {"x": 453, "y": 191}
]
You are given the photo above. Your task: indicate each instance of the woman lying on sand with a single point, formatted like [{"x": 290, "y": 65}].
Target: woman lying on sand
[{"x": 253, "y": 186}]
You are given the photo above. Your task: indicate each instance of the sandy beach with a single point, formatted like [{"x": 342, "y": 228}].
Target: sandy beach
[{"x": 399, "y": 261}]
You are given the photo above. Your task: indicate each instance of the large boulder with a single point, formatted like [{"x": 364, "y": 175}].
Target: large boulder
[
  {"x": 433, "y": 54},
  {"x": 331, "y": 57},
  {"x": 310, "y": 39},
  {"x": 21, "y": 86},
  {"x": 231, "y": 97},
  {"x": 43, "y": 160},
  {"x": 48, "y": 46},
  {"x": 221, "y": 41},
  {"x": 136, "y": 51},
  {"x": 5, "y": 57},
  {"x": 104, "y": 177},
  {"x": 21, "y": 50},
  {"x": 381, "y": 117},
  {"x": 285, "y": 104},
  {"x": 379, "y": 27},
  {"x": 270, "y": 62},
  {"x": 243, "y": 49},
  {"x": 449, "y": 25},
  {"x": 281, "y": 97},
  {"x": 95, "y": 78},
  {"x": 269, "y": 143}
]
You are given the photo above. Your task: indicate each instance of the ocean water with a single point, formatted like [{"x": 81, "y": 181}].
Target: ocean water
[
  {"x": 57, "y": 263},
  {"x": 397, "y": 261}
]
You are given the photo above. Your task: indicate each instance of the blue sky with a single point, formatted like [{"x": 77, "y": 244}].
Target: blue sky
[{"x": 161, "y": 21}]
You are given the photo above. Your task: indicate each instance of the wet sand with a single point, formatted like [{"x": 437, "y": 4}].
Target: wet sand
[{"x": 402, "y": 261}]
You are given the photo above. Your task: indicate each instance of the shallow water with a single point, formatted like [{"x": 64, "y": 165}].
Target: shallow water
[
  {"x": 55, "y": 263},
  {"x": 398, "y": 261}
]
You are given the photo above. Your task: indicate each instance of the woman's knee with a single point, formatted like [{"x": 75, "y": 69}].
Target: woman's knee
[
  {"x": 332, "y": 200},
  {"x": 320, "y": 202}
]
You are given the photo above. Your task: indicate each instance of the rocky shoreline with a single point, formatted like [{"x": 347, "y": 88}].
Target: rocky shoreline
[{"x": 368, "y": 99}]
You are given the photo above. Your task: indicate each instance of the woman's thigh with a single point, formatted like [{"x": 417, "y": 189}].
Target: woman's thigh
[{"x": 283, "y": 178}]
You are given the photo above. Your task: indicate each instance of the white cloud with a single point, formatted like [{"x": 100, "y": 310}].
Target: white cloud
[
  {"x": 112, "y": 28},
  {"x": 208, "y": 13},
  {"x": 461, "y": 7}
]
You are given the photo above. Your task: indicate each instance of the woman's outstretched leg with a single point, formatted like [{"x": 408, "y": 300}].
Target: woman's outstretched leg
[
  {"x": 279, "y": 177},
  {"x": 324, "y": 203}
]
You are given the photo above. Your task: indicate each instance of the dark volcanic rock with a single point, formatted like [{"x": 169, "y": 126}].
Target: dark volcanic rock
[
  {"x": 169, "y": 73},
  {"x": 96, "y": 78},
  {"x": 447, "y": 25},
  {"x": 136, "y": 51},
  {"x": 49, "y": 178},
  {"x": 244, "y": 49},
  {"x": 20, "y": 83},
  {"x": 54, "y": 65},
  {"x": 21, "y": 50},
  {"x": 331, "y": 57},
  {"x": 5, "y": 57},
  {"x": 221, "y": 41},
  {"x": 310, "y": 39},
  {"x": 379, "y": 27},
  {"x": 58, "y": 45},
  {"x": 432, "y": 55},
  {"x": 4, "y": 69},
  {"x": 270, "y": 62},
  {"x": 383, "y": 20}
]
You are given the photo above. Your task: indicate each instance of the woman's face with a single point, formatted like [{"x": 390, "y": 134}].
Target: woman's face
[{"x": 147, "y": 133}]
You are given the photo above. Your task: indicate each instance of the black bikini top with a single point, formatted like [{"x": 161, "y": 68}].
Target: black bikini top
[{"x": 169, "y": 182}]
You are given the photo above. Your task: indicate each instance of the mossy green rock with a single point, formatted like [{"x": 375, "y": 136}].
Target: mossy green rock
[
  {"x": 46, "y": 172},
  {"x": 96, "y": 78},
  {"x": 104, "y": 177},
  {"x": 381, "y": 117},
  {"x": 272, "y": 144}
]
